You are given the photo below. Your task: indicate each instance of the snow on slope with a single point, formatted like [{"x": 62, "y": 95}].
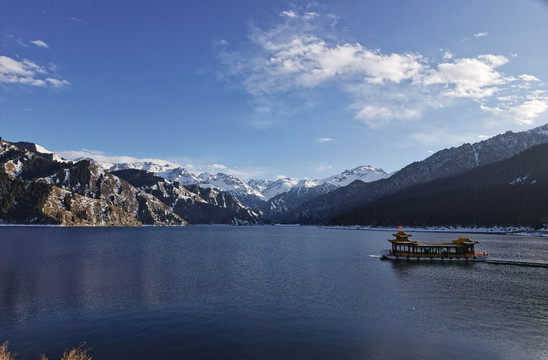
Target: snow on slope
[
  {"x": 154, "y": 167},
  {"x": 270, "y": 188},
  {"x": 364, "y": 173},
  {"x": 228, "y": 183},
  {"x": 174, "y": 172},
  {"x": 261, "y": 189}
]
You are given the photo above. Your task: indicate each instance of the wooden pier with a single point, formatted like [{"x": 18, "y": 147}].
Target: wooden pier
[{"x": 517, "y": 263}]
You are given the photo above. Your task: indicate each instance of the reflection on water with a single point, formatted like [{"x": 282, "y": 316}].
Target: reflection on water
[{"x": 264, "y": 292}]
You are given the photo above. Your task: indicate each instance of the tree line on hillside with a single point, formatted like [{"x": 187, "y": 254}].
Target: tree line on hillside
[
  {"x": 501, "y": 205},
  {"x": 506, "y": 193}
]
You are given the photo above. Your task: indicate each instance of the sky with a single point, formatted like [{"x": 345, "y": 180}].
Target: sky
[{"x": 269, "y": 89}]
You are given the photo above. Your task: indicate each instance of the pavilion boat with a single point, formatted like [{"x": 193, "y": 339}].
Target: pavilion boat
[{"x": 404, "y": 248}]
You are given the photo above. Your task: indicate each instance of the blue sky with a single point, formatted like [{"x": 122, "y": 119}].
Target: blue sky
[{"x": 262, "y": 89}]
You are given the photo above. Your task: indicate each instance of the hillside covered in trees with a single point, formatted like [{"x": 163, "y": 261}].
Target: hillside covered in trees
[{"x": 506, "y": 193}]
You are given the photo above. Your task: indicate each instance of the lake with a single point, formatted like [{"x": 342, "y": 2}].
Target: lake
[{"x": 265, "y": 292}]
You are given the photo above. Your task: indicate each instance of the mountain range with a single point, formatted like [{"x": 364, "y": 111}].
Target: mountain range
[
  {"x": 37, "y": 186},
  {"x": 443, "y": 164},
  {"x": 255, "y": 193},
  {"x": 504, "y": 193}
]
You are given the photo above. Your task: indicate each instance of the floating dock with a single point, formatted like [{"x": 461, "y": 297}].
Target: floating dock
[{"x": 517, "y": 263}]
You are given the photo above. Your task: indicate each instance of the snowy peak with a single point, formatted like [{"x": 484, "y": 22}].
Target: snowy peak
[
  {"x": 150, "y": 166},
  {"x": 165, "y": 169},
  {"x": 363, "y": 173},
  {"x": 270, "y": 188},
  {"x": 227, "y": 183},
  {"x": 39, "y": 150},
  {"x": 180, "y": 175}
]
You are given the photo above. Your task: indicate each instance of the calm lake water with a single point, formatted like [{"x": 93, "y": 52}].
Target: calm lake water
[{"x": 220, "y": 292}]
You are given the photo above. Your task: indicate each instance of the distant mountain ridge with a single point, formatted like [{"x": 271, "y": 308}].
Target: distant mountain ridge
[
  {"x": 442, "y": 164},
  {"x": 510, "y": 192},
  {"x": 270, "y": 188},
  {"x": 37, "y": 186},
  {"x": 255, "y": 194},
  {"x": 195, "y": 204}
]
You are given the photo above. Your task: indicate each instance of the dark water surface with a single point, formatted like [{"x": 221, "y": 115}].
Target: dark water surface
[{"x": 216, "y": 292}]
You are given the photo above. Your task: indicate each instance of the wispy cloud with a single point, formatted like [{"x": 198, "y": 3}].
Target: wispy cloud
[
  {"x": 480, "y": 34},
  {"x": 26, "y": 72},
  {"x": 40, "y": 43},
  {"x": 324, "y": 140},
  {"x": 524, "y": 112},
  {"x": 75, "y": 19},
  {"x": 301, "y": 52}
]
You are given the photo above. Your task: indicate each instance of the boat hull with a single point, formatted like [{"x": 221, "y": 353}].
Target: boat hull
[{"x": 387, "y": 254}]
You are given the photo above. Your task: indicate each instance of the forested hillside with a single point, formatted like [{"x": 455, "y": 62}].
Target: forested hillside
[{"x": 510, "y": 192}]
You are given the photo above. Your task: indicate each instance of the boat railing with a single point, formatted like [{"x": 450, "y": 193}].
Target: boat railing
[{"x": 436, "y": 255}]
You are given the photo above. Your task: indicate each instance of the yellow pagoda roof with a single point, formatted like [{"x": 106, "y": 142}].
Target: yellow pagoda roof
[{"x": 403, "y": 238}]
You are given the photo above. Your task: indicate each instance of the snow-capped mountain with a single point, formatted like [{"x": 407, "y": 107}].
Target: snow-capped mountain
[
  {"x": 443, "y": 164},
  {"x": 233, "y": 185},
  {"x": 181, "y": 175},
  {"x": 37, "y": 149},
  {"x": 46, "y": 191},
  {"x": 227, "y": 183},
  {"x": 255, "y": 193},
  {"x": 305, "y": 190},
  {"x": 173, "y": 172},
  {"x": 195, "y": 204},
  {"x": 269, "y": 188},
  {"x": 365, "y": 173},
  {"x": 168, "y": 170}
]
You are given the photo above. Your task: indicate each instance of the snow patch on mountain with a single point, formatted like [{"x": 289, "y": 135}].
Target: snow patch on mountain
[
  {"x": 154, "y": 167},
  {"x": 260, "y": 190},
  {"x": 227, "y": 183},
  {"x": 269, "y": 188},
  {"x": 365, "y": 173}
]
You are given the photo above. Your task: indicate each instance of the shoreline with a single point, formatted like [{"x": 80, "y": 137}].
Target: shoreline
[{"x": 497, "y": 230}]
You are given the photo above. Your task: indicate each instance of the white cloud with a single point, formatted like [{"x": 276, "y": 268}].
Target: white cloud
[
  {"x": 480, "y": 34},
  {"x": 526, "y": 77},
  {"x": 26, "y": 72},
  {"x": 303, "y": 60},
  {"x": 40, "y": 43},
  {"x": 302, "y": 53},
  {"x": 288, "y": 13},
  {"x": 521, "y": 112},
  {"x": 474, "y": 78},
  {"x": 324, "y": 140},
  {"x": 57, "y": 83},
  {"x": 377, "y": 116},
  {"x": 527, "y": 112},
  {"x": 448, "y": 55}
]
